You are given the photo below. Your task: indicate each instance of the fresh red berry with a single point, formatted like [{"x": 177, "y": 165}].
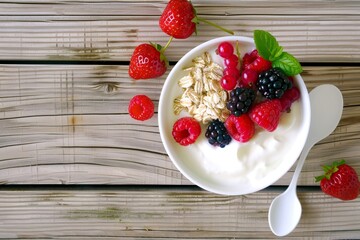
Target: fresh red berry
[
  {"x": 255, "y": 62},
  {"x": 141, "y": 107},
  {"x": 232, "y": 71},
  {"x": 293, "y": 93},
  {"x": 225, "y": 49},
  {"x": 147, "y": 62},
  {"x": 285, "y": 104},
  {"x": 290, "y": 96},
  {"x": 231, "y": 61},
  {"x": 340, "y": 181},
  {"x": 259, "y": 65},
  {"x": 249, "y": 77},
  {"x": 186, "y": 130},
  {"x": 267, "y": 114},
  {"x": 176, "y": 19},
  {"x": 228, "y": 82},
  {"x": 240, "y": 128},
  {"x": 179, "y": 19}
]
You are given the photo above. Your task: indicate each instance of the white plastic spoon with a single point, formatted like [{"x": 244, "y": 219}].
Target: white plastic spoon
[{"x": 326, "y": 103}]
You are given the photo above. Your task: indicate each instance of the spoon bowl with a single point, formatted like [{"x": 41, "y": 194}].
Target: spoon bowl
[{"x": 326, "y": 103}]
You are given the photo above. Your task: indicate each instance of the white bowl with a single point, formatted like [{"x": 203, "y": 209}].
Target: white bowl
[{"x": 238, "y": 168}]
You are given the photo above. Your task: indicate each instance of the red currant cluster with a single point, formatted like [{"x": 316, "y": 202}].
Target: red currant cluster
[{"x": 231, "y": 72}]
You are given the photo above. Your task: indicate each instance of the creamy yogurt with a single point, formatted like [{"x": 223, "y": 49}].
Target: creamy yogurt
[{"x": 251, "y": 161}]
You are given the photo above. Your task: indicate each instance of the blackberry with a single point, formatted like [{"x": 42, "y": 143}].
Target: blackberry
[
  {"x": 273, "y": 83},
  {"x": 217, "y": 134},
  {"x": 240, "y": 100}
]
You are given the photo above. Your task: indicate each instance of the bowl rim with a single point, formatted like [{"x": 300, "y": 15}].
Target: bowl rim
[{"x": 306, "y": 124}]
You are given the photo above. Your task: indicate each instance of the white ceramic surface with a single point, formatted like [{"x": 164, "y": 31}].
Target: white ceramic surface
[{"x": 190, "y": 161}]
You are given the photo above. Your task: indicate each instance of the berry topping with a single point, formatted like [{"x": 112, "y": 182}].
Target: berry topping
[
  {"x": 255, "y": 62},
  {"x": 249, "y": 77},
  {"x": 225, "y": 49},
  {"x": 217, "y": 134},
  {"x": 141, "y": 107},
  {"x": 267, "y": 114},
  {"x": 273, "y": 83},
  {"x": 231, "y": 61},
  {"x": 241, "y": 128},
  {"x": 232, "y": 71},
  {"x": 290, "y": 96},
  {"x": 186, "y": 130},
  {"x": 240, "y": 100},
  {"x": 228, "y": 82}
]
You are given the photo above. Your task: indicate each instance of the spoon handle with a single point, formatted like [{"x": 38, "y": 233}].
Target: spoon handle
[{"x": 299, "y": 165}]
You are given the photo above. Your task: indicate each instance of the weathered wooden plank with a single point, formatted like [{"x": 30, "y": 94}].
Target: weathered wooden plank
[
  {"x": 180, "y": 214},
  {"x": 314, "y": 31},
  {"x": 69, "y": 124}
]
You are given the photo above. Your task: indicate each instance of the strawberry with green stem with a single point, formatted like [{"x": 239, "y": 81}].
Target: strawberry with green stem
[
  {"x": 148, "y": 61},
  {"x": 179, "y": 20},
  {"x": 340, "y": 181}
]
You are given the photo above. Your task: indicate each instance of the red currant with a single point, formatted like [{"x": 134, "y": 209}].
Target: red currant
[
  {"x": 249, "y": 77},
  {"x": 225, "y": 49},
  {"x": 228, "y": 82},
  {"x": 232, "y": 71},
  {"x": 231, "y": 61}
]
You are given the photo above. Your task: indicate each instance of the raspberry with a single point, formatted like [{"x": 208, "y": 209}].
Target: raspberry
[
  {"x": 240, "y": 100},
  {"x": 241, "y": 128},
  {"x": 186, "y": 130},
  {"x": 273, "y": 83},
  {"x": 141, "y": 107},
  {"x": 255, "y": 62},
  {"x": 288, "y": 98},
  {"x": 217, "y": 134},
  {"x": 267, "y": 114}
]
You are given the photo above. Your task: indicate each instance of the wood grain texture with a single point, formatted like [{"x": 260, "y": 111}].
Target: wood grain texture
[
  {"x": 313, "y": 31},
  {"x": 181, "y": 214},
  {"x": 68, "y": 124}
]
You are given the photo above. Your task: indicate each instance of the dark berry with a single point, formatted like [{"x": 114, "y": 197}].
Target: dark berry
[
  {"x": 217, "y": 134},
  {"x": 240, "y": 100},
  {"x": 273, "y": 83}
]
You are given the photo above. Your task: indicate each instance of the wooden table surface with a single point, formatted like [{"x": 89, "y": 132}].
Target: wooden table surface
[{"x": 74, "y": 165}]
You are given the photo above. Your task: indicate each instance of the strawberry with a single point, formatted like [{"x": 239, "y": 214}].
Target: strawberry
[
  {"x": 255, "y": 62},
  {"x": 176, "y": 19},
  {"x": 240, "y": 128},
  {"x": 267, "y": 114},
  {"x": 141, "y": 107},
  {"x": 186, "y": 130},
  {"x": 147, "y": 61},
  {"x": 179, "y": 19},
  {"x": 340, "y": 181}
]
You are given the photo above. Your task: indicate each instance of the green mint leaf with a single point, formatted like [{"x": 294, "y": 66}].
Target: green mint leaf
[
  {"x": 267, "y": 45},
  {"x": 288, "y": 64}
]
